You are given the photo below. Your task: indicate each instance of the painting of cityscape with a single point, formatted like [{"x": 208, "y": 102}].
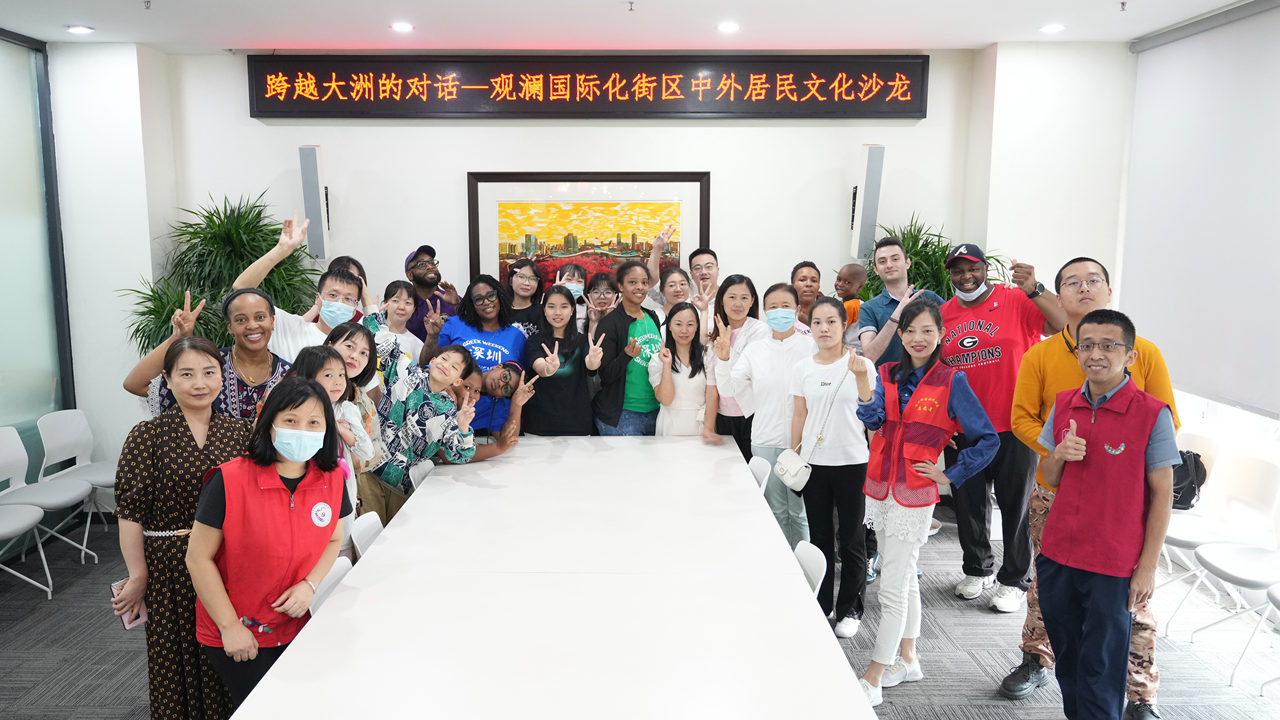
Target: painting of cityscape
[{"x": 599, "y": 236}]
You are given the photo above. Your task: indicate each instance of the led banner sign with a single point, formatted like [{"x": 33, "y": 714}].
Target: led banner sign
[{"x": 588, "y": 86}]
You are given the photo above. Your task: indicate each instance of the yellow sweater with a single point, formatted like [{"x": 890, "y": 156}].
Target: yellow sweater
[{"x": 1050, "y": 367}]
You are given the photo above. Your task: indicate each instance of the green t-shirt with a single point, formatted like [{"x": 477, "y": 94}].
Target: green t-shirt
[{"x": 638, "y": 393}]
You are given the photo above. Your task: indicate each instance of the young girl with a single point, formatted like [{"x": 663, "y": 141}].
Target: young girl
[
  {"x": 903, "y": 477},
  {"x": 629, "y": 336},
  {"x": 286, "y": 496},
  {"x": 399, "y": 301},
  {"x": 826, "y": 428},
  {"x": 674, "y": 287},
  {"x": 354, "y": 342},
  {"x": 562, "y": 357},
  {"x": 737, "y": 325},
  {"x": 524, "y": 282},
  {"x": 760, "y": 382},
  {"x": 678, "y": 375},
  {"x": 601, "y": 299}
]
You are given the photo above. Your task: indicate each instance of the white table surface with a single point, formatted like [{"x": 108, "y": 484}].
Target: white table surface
[{"x": 573, "y": 578}]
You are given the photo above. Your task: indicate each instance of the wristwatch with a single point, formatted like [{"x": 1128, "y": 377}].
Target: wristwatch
[{"x": 1037, "y": 292}]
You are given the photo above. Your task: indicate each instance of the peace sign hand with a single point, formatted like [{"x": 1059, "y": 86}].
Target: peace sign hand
[
  {"x": 292, "y": 235},
  {"x": 466, "y": 410},
  {"x": 184, "y": 320},
  {"x": 633, "y": 348},
  {"x": 523, "y": 391},
  {"x": 660, "y": 240},
  {"x": 722, "y": 340},
  {"x": 559, "y": 278},
  {"x": 595, "y": 352},
  {"x": 434, "y": 319},
  {"x": 551, "y": 363}
]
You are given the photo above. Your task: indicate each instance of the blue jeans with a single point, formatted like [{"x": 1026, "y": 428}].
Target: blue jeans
[
  {"x": 630, "y": 423},
  {"x": 787, "y": 507}
]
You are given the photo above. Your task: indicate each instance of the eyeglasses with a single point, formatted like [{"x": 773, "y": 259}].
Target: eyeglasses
[
  {"x": 491, "y": 296},
  {"x": 524, "y": 277},
  {"x": 335, "y": 296},
  {"x": 708, "y": 267},
  {"x": 424, "y": 264},
  {"x": 1092, "y": 283},
  {"x": 508, "y": 387},
  {"x": 601, "y": 294},
  {"x": 1106, "y": 347}
]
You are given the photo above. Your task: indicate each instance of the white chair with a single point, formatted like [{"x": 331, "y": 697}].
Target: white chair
[
  {"x": 17, "y": 520},
  {"x": 1206, "y": 445},
  {"x": 364, "y": 531},
  {"x": 66, "y": 436},
  {"x": 812, "y": 562},
  {"x": 340, "y": 568},
  {"x": 760, "y": 469},
  {"x": 50, "y": 494},
  {"x": 1273, "y": 597},
  {"x": 419, "y": 472},
  {"x": 1237, "y": 507},
  {"x": 1248, "y": 567}
]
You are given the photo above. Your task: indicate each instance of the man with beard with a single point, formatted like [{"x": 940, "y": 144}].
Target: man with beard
[
  {"x": 422, "y": 269},
  {"x": 986, "y": 329}
]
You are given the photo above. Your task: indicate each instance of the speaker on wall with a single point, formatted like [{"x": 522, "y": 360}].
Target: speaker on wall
[
  {"x": 315, "y": 200},
  {"x": 866, "y": 200}
]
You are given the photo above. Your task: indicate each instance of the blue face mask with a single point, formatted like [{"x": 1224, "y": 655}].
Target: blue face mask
[
  {"x": 574, "y": 288},
  {"x": 780, "y": 319},
  {"x": 335, "y": 313},
  {"x": 297, "y": 445}
]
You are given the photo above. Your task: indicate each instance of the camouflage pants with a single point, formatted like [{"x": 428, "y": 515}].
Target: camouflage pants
[{"x": 1144, "y": 676}]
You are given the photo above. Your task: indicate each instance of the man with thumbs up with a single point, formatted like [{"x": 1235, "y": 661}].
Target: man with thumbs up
[{"x": 1111, "y": 456}]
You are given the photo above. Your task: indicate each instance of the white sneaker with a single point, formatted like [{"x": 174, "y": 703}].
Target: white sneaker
[
  {"x": 901, "y": 671},
  {"x": 848, "y": 625},
  {"x": 972, "y": 586},
  {"x": 874, "y": 695},
  {"x": 934, "y": 526},
  {"x": 1008, "y": 599}
]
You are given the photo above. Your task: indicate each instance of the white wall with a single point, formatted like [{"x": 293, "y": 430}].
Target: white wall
[
  {"x": 1060, "y": 130},
  {"x": 102, "y": 185}
]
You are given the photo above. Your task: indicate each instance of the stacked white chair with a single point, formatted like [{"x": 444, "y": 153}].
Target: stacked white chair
[
  {"x": 1273, "y": 596},
  {"x": 66, "y": 436},
  {"x": 50, "y": 494},
  {"x": 340, "y": 568},
  {"x": 16, "y": 520},
  {"x": 364, "y": 531},
  {"x": 760, "y": 469},
  {"x": 812, "y": 562}
]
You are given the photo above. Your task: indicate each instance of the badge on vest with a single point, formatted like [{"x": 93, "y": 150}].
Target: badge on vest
[
  {"x": 927, "y": 404},
  {"x": 1114, "y": 450},
  {"x": 321, "y": 514}
]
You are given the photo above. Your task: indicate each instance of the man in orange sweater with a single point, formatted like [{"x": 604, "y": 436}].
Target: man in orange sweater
[{"x": 1048, "y": 368}]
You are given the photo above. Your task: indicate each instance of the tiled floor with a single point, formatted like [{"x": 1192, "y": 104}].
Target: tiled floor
[{"x": 69, "y": 658}]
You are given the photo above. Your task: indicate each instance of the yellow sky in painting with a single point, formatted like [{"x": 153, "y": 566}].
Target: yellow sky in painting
[{"x": 587, "y": 220}]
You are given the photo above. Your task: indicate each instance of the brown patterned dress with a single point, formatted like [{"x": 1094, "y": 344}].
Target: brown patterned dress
[{"x": 158, "y": 485}]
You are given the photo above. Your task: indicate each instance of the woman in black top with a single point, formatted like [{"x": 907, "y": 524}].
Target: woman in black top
[
  {"x": 626, "y": 404},
  {"x": 562, "y": 357},
  {"x": 524, "y": 283}
]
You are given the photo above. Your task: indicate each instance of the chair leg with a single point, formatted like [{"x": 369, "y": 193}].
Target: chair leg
[
  {"x": 54, "y": 532},
  {"x": 88, "y": 523},
  {"x": 1200, "y": 575},
  {"x": 1262, "y": 691},
  {"x": 1265, "y": 612},
  {"x": 1168, "y": 564},
  {"x": 48, "y": 589},
  {"x": 1232, "y": 616}
]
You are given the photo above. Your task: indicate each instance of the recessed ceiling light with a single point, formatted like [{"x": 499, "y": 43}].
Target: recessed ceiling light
[
  {"x": 79, "y": 29},
  {"x": 1052, "y": 28},
  {"x": 728, "y": 27},
  {"x": 402, "y": 27}
]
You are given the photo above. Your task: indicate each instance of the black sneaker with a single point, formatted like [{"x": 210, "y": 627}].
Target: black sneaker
[
  {"x": 1141, "y": 711},
  {"x": 1025, "y": 678}
]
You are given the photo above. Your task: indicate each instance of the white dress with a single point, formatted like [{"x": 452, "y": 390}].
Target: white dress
[{"x": 687, "y": 411}]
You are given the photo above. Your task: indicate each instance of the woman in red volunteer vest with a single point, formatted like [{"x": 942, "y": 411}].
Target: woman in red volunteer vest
[
  {"x": 267, "y": 530},
  {"x": 916, "y": 405}
]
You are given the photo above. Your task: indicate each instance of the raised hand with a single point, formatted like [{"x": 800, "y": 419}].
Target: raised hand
[
  {"x": 466, "y": 410},
  {"x": 595, "y": 352},
  {"x": 448, "y": 292},
  {"x": 660, "y": 240},
  {"x": 703, "y": 299},
  {"x": 721, "y": 344},
  {"x": 292, "y": 234},
  {"x": 633, "y": 348},
  {"x": 184, "y": 320},
  {"x": 523, "y": 391},
  {"x": 858, "y": 365},
  {"x": 1024, "y": 276},
  {"x": 665, "y": 356},
  {"x": 559, "y": 279},
  {"x": 932, "y": 471},
  {"x": 434, "y": 319},
  {"x": 1072, "y": 447},
  {"x": 551, "y": 363}
]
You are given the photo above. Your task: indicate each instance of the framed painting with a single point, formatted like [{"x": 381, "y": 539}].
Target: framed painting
[{"x": 598, "y": 220}]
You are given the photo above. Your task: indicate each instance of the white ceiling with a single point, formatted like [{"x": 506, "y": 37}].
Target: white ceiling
[{"x": 201, "y": 26}]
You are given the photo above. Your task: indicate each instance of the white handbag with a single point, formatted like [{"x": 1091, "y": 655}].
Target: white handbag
[{"x": 794, "y": 470}]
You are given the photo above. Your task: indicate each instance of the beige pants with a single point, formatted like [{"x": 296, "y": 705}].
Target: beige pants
[{"x": 378, "y": 497}]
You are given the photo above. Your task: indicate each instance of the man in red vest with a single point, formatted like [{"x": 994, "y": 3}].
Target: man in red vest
[{"x": 1111, "y": 457}]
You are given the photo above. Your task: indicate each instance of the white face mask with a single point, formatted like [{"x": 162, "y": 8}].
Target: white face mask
[{"x": 970, "y": 296}]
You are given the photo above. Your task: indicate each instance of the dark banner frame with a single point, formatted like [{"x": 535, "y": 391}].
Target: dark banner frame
[{"x": 589, "y": 86}]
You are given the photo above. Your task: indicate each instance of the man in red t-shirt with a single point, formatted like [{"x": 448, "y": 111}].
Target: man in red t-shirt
[{"x": 986, "y": 329}]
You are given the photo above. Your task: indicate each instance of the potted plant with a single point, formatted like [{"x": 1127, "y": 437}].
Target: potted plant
[
  {"x": 210, "y": 249},
  {"x": 927, "y": 249}
]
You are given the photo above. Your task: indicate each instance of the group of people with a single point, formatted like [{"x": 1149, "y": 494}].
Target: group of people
[{"x": 279, "y": 440}]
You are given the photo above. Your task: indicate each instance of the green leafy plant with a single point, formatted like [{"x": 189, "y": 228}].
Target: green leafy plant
[
  {"x": 213, "y": 246},
  {"x": 927, "y": 249}
]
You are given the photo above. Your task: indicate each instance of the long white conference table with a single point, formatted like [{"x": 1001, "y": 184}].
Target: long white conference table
[{"x": 573, "y": 578}]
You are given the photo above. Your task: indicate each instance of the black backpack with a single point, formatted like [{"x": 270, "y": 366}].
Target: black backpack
[{"x": 1187, "y": 480}]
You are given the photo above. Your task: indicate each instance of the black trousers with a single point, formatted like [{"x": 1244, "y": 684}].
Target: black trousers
[
  {"x": 839, "y": 487},
  {"x": 739, "y": 428},
  {"x": 1012, "y": 473},
  {"x": 242, "y": 677}
]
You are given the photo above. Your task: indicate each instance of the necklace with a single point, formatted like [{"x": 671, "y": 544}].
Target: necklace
[{"x": 235, "y": 361}]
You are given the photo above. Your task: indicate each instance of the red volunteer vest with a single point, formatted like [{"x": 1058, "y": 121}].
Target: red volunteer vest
[
  {"x": 916, "y": 434},
  {"x": 270, "y": 541},
  {"x": 1099, "y": 517}
]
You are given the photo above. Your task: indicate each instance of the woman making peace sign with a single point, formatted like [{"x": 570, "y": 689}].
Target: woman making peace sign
[
  {"x": 562, "y": 357},
  {"x": 626, "y": 404}
]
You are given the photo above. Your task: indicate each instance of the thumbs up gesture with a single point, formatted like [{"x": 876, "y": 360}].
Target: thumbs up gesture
[{"x": 1071, "y": 449}]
